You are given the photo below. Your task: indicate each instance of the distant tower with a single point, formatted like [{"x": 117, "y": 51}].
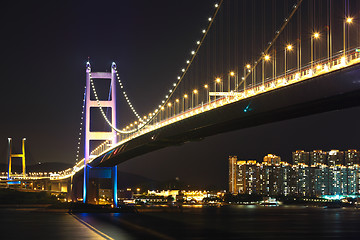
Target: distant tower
[
  {"x": 232, "y": 174},
  {"x": 16, "y": 155}
]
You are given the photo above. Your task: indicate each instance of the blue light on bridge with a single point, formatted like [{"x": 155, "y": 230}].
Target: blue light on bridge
[
  {"x": 115, "y": 195},
  {"x": 247, "y": 109},
  {"x": 85, "y": 183}
]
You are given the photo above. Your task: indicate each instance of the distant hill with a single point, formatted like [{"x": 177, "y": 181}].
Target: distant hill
[
  {"x": 42, "y": 167},
  {"x": 130, "y": 180},
  {"x": 125, "y": 179}
]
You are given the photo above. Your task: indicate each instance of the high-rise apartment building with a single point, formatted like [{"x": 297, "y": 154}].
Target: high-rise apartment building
[
  {"x": 318, "y": 157},
  {"x": 351, "y": 158},
  {"x": 300, "y": 156},
  {"x": 272, "y": 159},
  {"x": 335, "y": 158},
  {"x": 353, "y": 173},
  {"x": 248, "y": 181},
  {"x": 321, "y": 179}
]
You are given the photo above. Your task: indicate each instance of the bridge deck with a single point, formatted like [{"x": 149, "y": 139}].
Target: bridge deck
[{"x": 331, "y": 91}]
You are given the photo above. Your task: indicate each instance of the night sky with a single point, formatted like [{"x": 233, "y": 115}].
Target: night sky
[{"x": 45, "y": 46}]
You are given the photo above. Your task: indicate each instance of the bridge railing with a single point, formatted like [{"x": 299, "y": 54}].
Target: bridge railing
[{"x": 318, "y": 67}]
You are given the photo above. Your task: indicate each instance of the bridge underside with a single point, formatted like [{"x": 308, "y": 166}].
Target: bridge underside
[{"x": 332, "y": 91}]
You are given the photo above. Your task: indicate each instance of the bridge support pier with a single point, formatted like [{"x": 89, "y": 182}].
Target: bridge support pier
[{"x": 91, "y": 184}]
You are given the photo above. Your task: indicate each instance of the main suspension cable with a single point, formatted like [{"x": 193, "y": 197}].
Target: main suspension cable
[
  {"x": 125, "y": 95},
  {"x": 81, "y": 126},
  {"x": 103, "y": 113}
]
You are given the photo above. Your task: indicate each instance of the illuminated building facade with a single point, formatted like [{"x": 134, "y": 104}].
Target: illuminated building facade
[
  {"x": 335, "y": 158},
  {"x": 248, "y": 178},
  {"x": 351, "y": 157},
  {"x": 300, "y": 156},
  {"x": 317, "y": 157},
  {"x": 321, "y": 180},
  {"x": 272, "y": 159}
]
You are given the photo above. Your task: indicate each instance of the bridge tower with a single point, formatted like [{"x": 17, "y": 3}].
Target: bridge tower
[
  {"x": 100, "y": 172},
  {"x": 16, "y": 155}
]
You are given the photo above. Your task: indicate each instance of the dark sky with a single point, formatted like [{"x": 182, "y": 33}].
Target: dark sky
[{"x": 45, "y": 46}]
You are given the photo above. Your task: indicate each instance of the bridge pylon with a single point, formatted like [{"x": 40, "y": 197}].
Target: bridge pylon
[
  {"x": 99, "y": 172},
  {"x": 12, "y": 155}
]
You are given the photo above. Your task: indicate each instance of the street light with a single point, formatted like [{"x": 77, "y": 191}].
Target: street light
[
  {"x": 192, "y": 98},
  {"x": 231, "y": 74},
  {"x": 184, "y": 101},
  {"x": 169, "y": 111},
  {"x": 177, "y": 104},
  {"x": 217, "y": 80},
  {"x": 161, "y": 113},
  {"x": 246, "y": 69},
  {"x": 347, "y": 20},
  {"x": 207, "y": 92},
  {"x": 288, "y": 48},
  {"x": 265, "y": 58},
  {"x": 316, "y": 35}
]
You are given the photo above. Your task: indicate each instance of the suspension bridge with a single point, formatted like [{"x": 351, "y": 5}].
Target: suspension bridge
[{"x": 301, "y": 60}]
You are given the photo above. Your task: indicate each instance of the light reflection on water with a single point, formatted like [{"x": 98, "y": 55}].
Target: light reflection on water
[{"x": 252, "y": 221}]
